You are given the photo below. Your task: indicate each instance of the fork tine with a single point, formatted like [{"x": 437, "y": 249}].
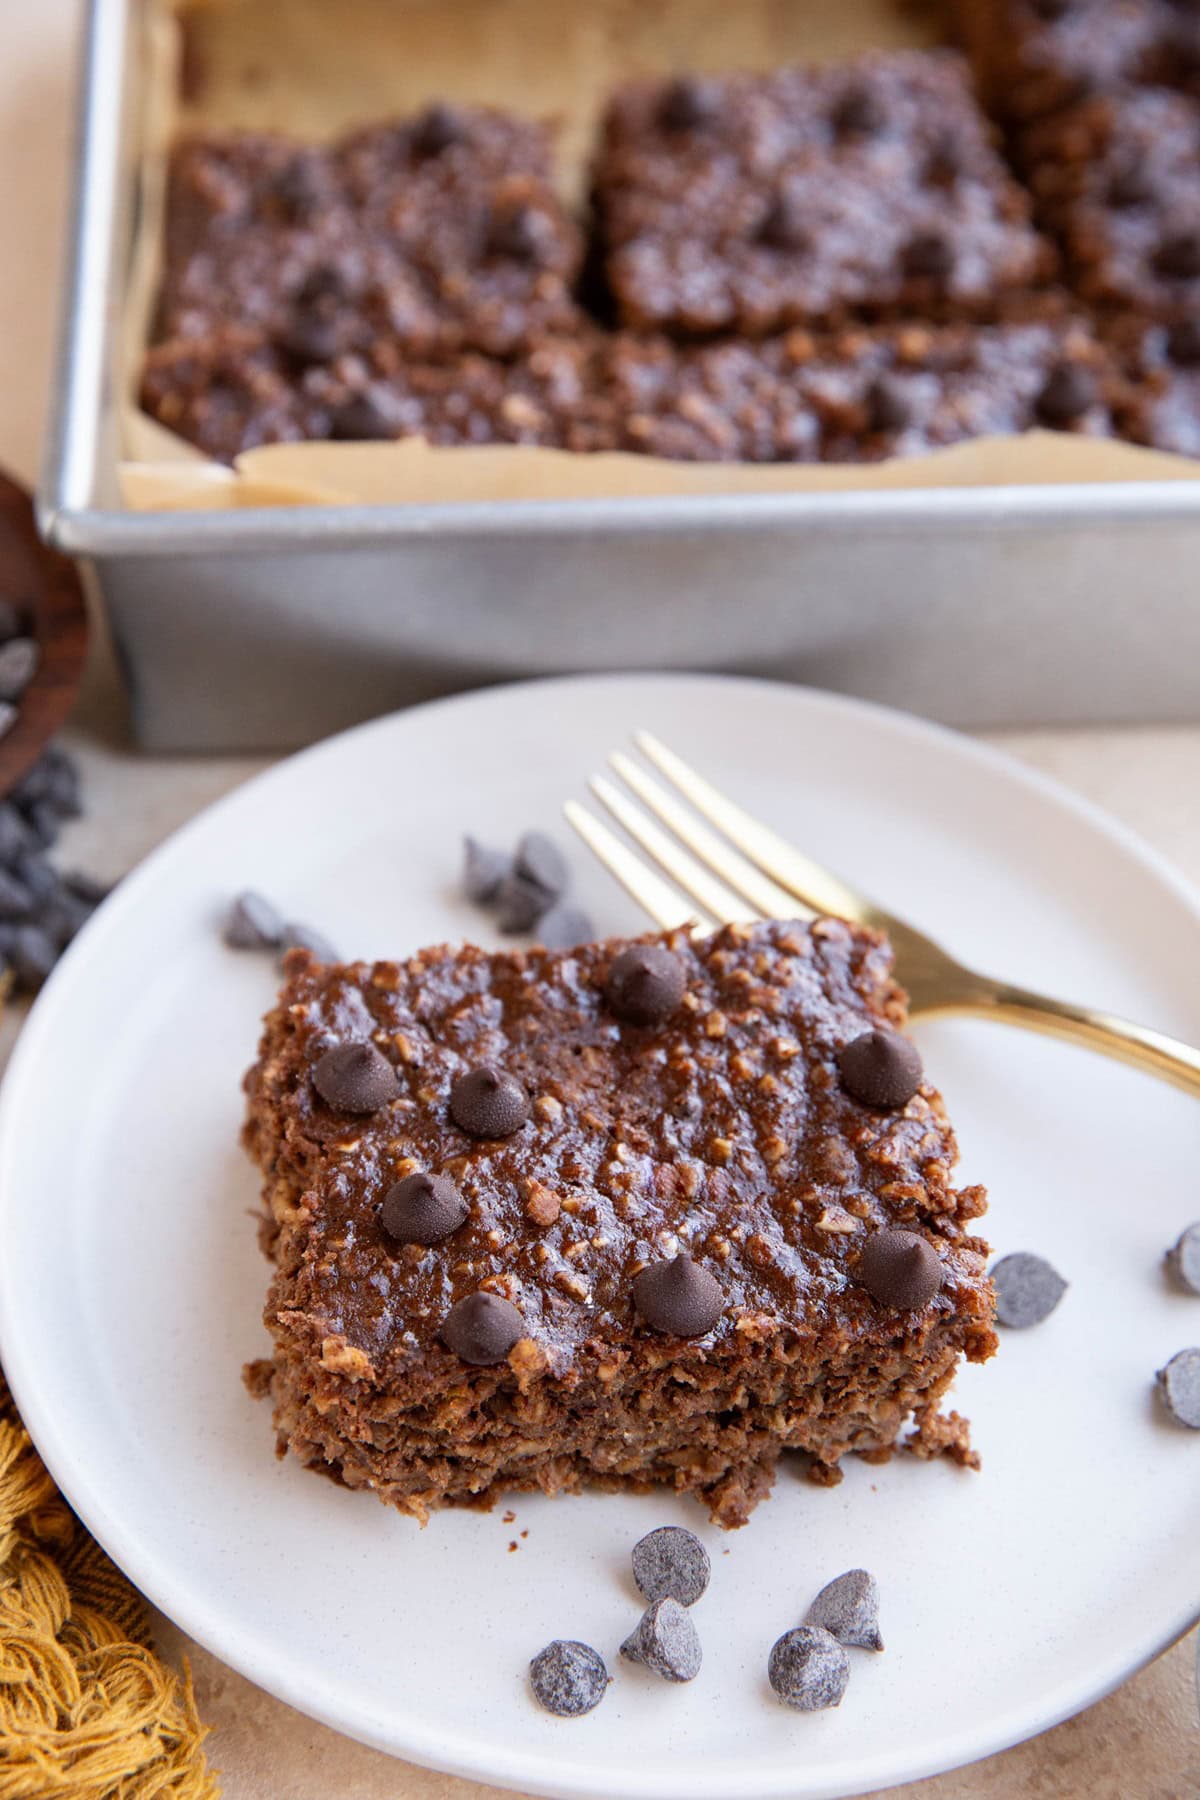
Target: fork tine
[
  {"x": 665, "y": 904},
  {"x": 807, "y": 880},
  {"x": 690, "y": 875},
  {"x": 769, "y": 899}
]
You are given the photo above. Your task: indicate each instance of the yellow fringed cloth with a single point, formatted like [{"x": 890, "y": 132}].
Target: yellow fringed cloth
[{"x": 87, "y": 1710}]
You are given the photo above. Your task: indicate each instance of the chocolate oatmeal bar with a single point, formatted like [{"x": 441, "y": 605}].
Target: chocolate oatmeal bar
[
  {"x": 641, "y": 1213},
  {"x": 754, "y": 202},
  {"x": 1117, "y": 180},
  {"x": 906, "y": 390},
  {"x": 1032, "y": 57},
  {"x": 433, "y": 235},
  {"x": 236, "y": 390},
  {"x": 859, "y": 394},
  {"x": 853, "y": 395},
  {"x": 728, "y": 402},
  {"x": 589, "y": 392}
]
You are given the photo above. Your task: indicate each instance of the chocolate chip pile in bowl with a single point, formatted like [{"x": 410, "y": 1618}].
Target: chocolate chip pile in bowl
[
  {"x": 19, "y": 660},
  {"x": 42, "y": 907},
  {"x": 829, "y": 263}
]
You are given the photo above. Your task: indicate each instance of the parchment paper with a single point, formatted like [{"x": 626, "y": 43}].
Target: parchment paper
[{"x": 315, "y": 67}]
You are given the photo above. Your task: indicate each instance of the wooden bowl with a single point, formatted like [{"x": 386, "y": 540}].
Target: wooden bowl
[{"x": 46, "y": 587}]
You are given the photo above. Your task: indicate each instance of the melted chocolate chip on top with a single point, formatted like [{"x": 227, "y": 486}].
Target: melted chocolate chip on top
[
  {"x": 678, "y": 1297},
  {"x": 900, "y": 1269},
  {"x": 422, "y": 1209},
  {"x": 487, "y": 1103},
  {"x": 355, "y": 1078},
  {"x": 645, "y": 984}
]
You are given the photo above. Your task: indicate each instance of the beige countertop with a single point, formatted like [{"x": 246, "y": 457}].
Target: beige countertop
[{"x": 1141, "y": 1743}]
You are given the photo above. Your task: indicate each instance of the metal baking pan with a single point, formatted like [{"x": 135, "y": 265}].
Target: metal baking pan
[{"x": 261, "y": 629}]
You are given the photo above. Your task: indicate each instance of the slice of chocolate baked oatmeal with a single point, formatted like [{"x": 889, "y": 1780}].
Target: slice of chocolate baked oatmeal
[{"x": 646, "y": 1212}]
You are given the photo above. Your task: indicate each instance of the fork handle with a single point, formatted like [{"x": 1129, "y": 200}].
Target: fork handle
[{"x": 1138, "y": 1045}]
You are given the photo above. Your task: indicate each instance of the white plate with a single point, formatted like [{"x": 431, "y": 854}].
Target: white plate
[{"x": 131, "y": 1286}]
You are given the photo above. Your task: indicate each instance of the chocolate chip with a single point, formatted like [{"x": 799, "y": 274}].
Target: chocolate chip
[
  {"x": 19, "y": 659},
  {"x": 422, "y": 1209},
  {"x": 483, "y": 870},
  {"x": 568, "y": 1678},
  {"x": 563, "y": 927},
  {"x": 519, "y": 903},
  {"x": 302, "y": 187},
  {"x": 665, "y": 1641},
  {"x": 900, "y": 1269},
  {"x": 1183, "y": 343},
  {"x": 1069, "y": 391},
  {"x": 371, "y": 416},
  {"x": 482, "y": 1329},
  {"x": 1178, "y": 256},
  {"x": 1179, "y": 1385},
  {"x": 64, "y": 791},
  {"x": 311, "y": 337},
  {"x": 785, "y": 223},
  {"x": 40, "y": 877},
  {"x": 64, "y": 917},
  {"x": 1027, "y": 1290},
  {"x": 38, "y": 783},
  {"x": 881, "y": 1069},
  {"x": 540, "y": 862},
  {"x": 16, "y": 901},
  {"x": 645, "y": 984},
  {"x": 355, "y": 1078},
  {"x": 929, "y": 253},
  {"x": 53, "y": 780},
  {"x": 15, "y": 835},
  {"x": 887, "y": 404},
  {"x": 808, "y": 1669},
  {"x": 487, "y": 1103},
  {"x": 324, "y": 284},
  {"x": 86, "y": 887},
  {"x": 944, "y": 164},
  {"x": 43, "y": 816},
  {"x": 678, "y": 1297},
  {"x": 859, "y": 112},
  {"x": 32, "y": 954},
  {"x": 307, "y": 937},
  {"x": 671, "y": 1564},
  {"x": 253, "y": 924},
  {"x": 848, "y": 1609},
  {"x": 1130, "y": 185},
  {"x": 519, "y": 233},
  {"x": 438, "y": 127},
  {"x": 1183, "y": 1259},
  {"x": 688, "y": 104}
]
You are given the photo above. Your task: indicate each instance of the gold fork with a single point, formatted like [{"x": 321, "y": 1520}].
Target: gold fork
[{"x": 743, "y": 870}]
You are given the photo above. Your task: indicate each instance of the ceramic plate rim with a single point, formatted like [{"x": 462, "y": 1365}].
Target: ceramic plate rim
[{"x": 168, "y": 1587}]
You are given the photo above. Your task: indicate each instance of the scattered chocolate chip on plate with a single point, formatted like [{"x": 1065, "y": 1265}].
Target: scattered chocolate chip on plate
[
  {"x": 1183, "y": 1259},
  {"x": 1179, "y": 1385},
  {"x": 665, "y": 1641},
  {"x": 671, "y": 1563},
  {"x": 568, "y": 1678},
  {"x": 1028, "y": 1289},
  {"x": 848, "y": 1608},
  {"x": 808, "y": 1669}
]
